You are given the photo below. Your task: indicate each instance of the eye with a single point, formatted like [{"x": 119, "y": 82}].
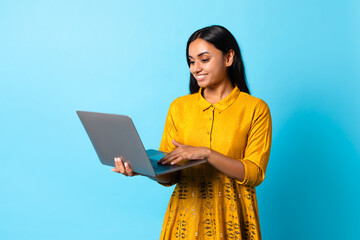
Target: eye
[
  {"x": 191, "y": 62},
  {"x": 205, "y": 60}
]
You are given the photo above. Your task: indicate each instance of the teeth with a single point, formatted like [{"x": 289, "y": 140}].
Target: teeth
[{"x": 199, "y": 77}]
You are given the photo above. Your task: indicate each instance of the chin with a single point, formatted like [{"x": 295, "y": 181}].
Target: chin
[{"x": 203, "y": 84}]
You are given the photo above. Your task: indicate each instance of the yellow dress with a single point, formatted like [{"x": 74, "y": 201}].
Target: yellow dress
[{"x": 207, "y": 204}]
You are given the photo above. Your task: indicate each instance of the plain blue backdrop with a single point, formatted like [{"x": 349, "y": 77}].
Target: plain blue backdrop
[{"x": 128, "y": 57}]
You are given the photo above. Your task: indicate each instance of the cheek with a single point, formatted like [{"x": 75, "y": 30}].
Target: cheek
[{"x": 218, "y": 68}]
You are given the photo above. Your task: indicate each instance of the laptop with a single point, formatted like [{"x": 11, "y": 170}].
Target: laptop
[{"x": 115, "y": 135}]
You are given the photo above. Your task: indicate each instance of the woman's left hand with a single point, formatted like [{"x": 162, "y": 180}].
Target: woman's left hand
[{"x": 183, "y": 152}]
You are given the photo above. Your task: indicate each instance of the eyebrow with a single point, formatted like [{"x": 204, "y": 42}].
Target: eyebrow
[{"x": 200, "y": 54}]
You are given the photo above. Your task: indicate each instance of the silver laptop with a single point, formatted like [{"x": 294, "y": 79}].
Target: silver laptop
[{"x": 115, "y": 135}]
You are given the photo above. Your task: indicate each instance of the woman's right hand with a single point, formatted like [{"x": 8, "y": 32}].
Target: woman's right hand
[
  {"x": 125, "y": 169},
  {"x": 122, "y": 167}
]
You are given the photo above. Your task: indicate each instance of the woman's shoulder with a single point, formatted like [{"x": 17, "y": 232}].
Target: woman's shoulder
[
  {"x": 254, "y": 102},
  {"x": 185, "y": 100}
]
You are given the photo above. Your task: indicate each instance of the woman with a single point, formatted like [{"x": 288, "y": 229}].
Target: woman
[{"x": 222, "y": 123}]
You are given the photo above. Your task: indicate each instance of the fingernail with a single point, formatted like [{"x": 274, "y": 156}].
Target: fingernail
[
  {"x": 172, "y": 163},
  {"x": 126, "y": 164}
]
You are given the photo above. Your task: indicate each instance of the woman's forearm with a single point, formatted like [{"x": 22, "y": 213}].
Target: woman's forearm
[{"x": 230, "y": 166}]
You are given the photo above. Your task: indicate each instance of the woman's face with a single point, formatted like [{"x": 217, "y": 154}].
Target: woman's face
[{"x": 208, "y": 64}]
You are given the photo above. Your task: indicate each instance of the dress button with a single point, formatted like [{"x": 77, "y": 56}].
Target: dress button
[
  {"x": 210, "y": 118},
  {"x": 207, "y": 133}
]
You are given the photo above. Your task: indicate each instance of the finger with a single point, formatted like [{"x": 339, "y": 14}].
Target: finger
[
  {"x": 177, "y": 160},
  {"x": 116, "y": 160},
  {"x": 176, "y": 143},
  {"x": 117, "y": 166},
  {"x": 128, "y": 169},
  {"x": 120, "y": 166},
  {"x": 116, "y": 169},
  {"x": 169, "y": 155},
  {"x": 164, "y": 158},
  {"x": 171, "y": 158}
]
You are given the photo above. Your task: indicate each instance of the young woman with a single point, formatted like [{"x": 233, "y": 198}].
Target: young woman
[{"x": 222, "y": 123}]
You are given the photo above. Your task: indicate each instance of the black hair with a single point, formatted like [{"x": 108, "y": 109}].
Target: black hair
[{"x": 223, "y": 40}]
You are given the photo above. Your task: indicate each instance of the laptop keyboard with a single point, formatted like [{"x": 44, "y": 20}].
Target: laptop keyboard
[{"x": 158, "y": 168}]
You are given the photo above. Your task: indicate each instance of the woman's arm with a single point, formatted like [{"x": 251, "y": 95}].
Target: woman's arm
[
  {"x": 231, "y": 167},
  {"x": 249, "y": 170}
]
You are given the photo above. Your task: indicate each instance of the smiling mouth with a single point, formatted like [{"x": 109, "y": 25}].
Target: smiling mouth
[{"x": 200, "y": 77}]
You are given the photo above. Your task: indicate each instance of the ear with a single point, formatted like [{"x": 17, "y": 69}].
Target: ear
[{"x": 229, "y": 58}]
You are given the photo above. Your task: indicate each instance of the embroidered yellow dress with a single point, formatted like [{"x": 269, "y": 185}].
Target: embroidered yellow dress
[{"x": 207, "y": 204}]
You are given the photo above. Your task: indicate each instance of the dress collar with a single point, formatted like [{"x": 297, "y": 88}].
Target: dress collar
[{"x": 221, "y": 105}]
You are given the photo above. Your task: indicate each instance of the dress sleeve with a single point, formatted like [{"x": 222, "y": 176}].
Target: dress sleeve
[
  {"x": 257, "y": 151},
  {"x": 170, "y": 132}
]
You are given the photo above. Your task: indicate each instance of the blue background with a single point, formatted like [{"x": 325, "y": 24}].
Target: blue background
[{"x": 301, "y": 57}]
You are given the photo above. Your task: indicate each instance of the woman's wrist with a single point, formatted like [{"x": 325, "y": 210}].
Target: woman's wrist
[{"x": 207, "y": 153}]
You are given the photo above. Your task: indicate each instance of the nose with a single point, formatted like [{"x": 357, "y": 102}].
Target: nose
[{"x": 196, "y": 68}]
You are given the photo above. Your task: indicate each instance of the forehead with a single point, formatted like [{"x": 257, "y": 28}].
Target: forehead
[{"x": 199, "y": 46}]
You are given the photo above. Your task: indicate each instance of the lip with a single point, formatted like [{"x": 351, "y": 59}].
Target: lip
[{"x": 200, "y": 77}]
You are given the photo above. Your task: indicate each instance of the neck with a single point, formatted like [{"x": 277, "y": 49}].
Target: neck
[{"x": 215, "y": 94}]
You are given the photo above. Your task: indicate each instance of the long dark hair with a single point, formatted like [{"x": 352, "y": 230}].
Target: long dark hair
[{"x": 223, "y": 40}]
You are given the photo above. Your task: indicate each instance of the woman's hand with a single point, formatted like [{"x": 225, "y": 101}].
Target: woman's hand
[
  {"x": 233, "y": 168},
  {"x": 123, "y": 168},
  {"x": 183, "y": 152}
]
